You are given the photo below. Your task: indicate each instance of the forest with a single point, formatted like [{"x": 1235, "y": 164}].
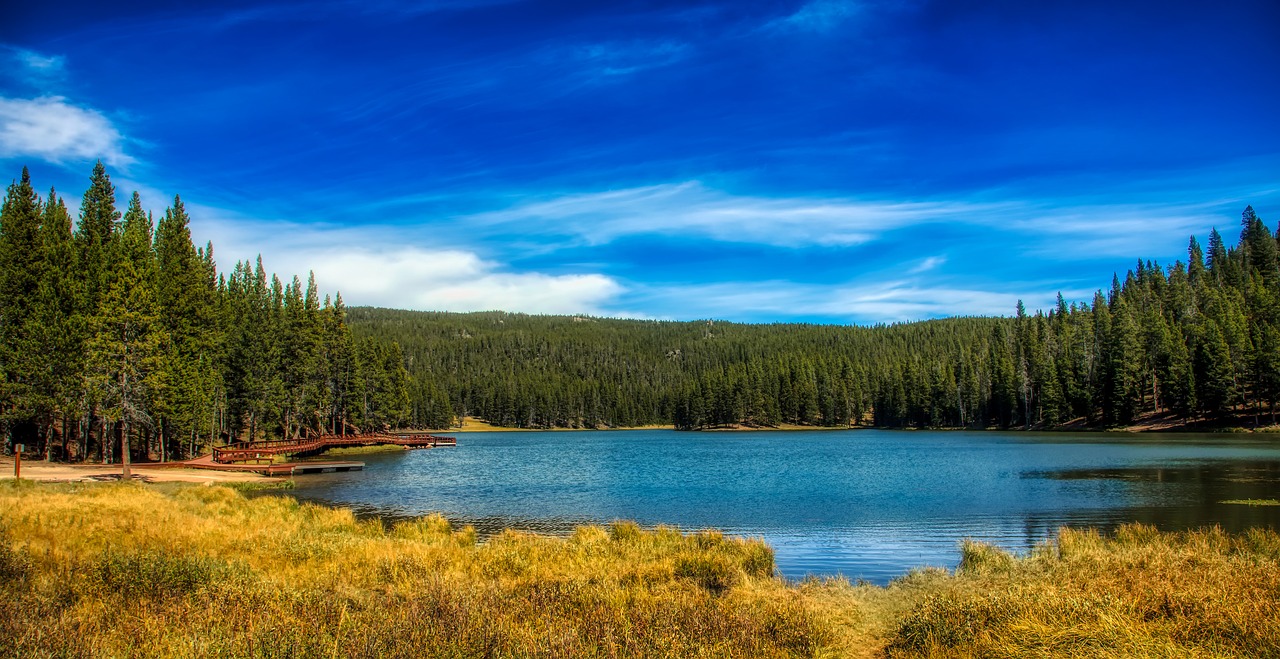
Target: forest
[
  {"x": 117, "y": 331},
  {"x": 1197, "y": 342},
  {"x": 120, "y": 332}
]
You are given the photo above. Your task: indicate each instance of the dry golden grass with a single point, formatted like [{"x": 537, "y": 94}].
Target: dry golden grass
[
  {"x": 133, "y": 570},
  {"x": 1140, "y": 593},
  {"x": 127, "y": 570}
]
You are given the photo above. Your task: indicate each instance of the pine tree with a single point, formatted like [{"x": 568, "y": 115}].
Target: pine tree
[
  {"x": 125, "y": 353},
  {"x": 180, "y": 293},
  {"x": 21, "y": 271},
  {"x": 60, "y": 322},
  {"x": 95, "y": 233}
]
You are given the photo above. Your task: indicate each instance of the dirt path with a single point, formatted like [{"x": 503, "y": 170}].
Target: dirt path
[{"x": 39, "y": 470}]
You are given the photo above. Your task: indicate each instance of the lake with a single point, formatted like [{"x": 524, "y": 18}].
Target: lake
[{"x": 868, "y": 504}]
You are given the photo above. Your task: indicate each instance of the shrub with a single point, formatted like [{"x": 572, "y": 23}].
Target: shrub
[
  {"x": 714, "y": 572},
  {"x": 154, "y": 574}
]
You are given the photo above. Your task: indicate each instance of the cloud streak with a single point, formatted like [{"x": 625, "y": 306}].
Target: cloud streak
[
  {"x": 899, "y": 300},
  {"x": 694, "y": 210},
  {"x": 819, "y": 16}
]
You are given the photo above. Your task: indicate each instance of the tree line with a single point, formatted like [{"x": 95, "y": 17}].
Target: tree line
[
  {"x": 1198, "y": 341},
  {"x": 118, "y": 336},
  {"x": 117, "y": 331}
]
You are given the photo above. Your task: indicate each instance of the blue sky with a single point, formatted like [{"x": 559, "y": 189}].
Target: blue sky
[{"x": 824, "y": 161}]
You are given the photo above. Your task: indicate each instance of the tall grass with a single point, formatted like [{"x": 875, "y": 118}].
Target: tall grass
[
  {"x": 131, "y": 570},
  {"x": 127, "y": 570},
  {"x": 1140, "y": 593}
]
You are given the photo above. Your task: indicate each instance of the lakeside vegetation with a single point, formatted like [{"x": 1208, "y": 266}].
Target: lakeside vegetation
[
  {"x": 125, "y": 569},
  {"x": 1196, "y": 343}
]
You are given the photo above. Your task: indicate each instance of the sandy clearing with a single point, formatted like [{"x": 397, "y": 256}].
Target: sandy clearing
[{"x": 39, "y": 470}]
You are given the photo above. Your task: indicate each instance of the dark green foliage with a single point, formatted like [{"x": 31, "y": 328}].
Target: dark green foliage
[
  {"x": 122, "y": 340},
  {"x": 23, "y": 269}
]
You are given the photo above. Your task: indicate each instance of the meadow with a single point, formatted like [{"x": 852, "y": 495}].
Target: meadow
[{"x": 177, "y": 570}]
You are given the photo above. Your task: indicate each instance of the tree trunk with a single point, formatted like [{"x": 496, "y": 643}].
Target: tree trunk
[{"x": 125, "y": 474}]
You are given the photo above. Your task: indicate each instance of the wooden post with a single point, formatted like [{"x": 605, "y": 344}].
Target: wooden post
[{"x": 17, "y": 461}]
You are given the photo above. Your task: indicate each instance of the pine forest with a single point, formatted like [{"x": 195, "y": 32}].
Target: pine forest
[{"x": 118, "y": 334}]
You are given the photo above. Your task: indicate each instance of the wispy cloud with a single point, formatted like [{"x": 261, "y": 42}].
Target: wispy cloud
[
  {"x": 927, "y": 264},
  {"x": 819, "y": 16},
  {"x": 42, "y": 64},
  {"x": 53, "y": 129},
  {"x": 884, "y": 301},
  {"x": 27, "y": 69},
  {"x": 1059, "y": 229},
  {"x": 691, "y": 208},
  {"x": 618, "y": 59}
]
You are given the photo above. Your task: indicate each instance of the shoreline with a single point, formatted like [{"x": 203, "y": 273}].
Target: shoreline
[{"x": 1151, "y": 423}]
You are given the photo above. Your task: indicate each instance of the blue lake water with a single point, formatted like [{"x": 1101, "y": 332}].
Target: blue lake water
[{"x": 867, "y": 504}]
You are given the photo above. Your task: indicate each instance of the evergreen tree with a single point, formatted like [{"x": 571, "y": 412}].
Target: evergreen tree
[
  {"x": 125, "y": 353},
  {"x": 60, "y": 322},
  {"x": 26, "y": 403}
]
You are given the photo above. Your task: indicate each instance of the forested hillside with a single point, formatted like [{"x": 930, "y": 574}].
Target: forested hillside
[
  {"x": 121, "y": 329},
  {"x": 1198, "y": 340}
]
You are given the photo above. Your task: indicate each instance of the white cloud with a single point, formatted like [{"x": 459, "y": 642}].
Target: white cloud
[
  {"x": 52, "y": 129},
  {"x": 381, "y": 266},
  {"x": 611, "y": 60},
  {"x": 1125, "y": 230},
  {"x": 819, "y": 15},
  {"x": 452, "y": 280},
  {"x": 891, "y": 301},
  {"x": 928, "y": 264},
  {"x": 693, "y": 209},
  {"x": 44, "y": 64},
  {"x": 32, "y": 68}
]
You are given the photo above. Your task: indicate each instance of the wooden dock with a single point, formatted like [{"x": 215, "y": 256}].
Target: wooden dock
[
  {"x": 259, "y": 457},
  {"x": 256, "y": 451},
  {"x": 264, "y": 468}
]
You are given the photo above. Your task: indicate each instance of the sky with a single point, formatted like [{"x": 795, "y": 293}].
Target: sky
[{"x": 827, "y": 161}]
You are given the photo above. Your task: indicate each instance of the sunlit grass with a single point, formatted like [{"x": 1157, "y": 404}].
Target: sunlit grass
[
  {"x": 131, "y": 570},
  {"x": 1141, "y": 593},
  {"x": 180, "y": 570}
]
